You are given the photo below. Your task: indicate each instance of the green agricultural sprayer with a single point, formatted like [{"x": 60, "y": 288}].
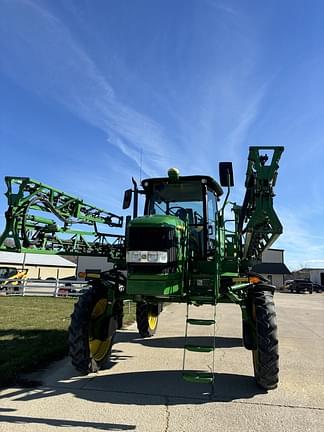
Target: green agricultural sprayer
[{"x": 183, "y": 249}]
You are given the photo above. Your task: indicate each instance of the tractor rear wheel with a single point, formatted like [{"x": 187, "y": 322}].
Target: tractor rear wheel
[
  {"x": 91, "y": 331},
  {"x": 265, "y": 356},
  {"x": 147, "y": 316}
]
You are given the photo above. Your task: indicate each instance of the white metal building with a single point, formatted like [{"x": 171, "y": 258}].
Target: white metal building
[
  {"x": 273, "y": 267},
  {"x": 316, "y": 275},
  {"x": 39, "y": 266}
]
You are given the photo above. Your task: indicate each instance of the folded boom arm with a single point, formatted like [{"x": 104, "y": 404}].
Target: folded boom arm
[
  {"x": 258, "y": 224},
  {"x": 42, "y": 219}
]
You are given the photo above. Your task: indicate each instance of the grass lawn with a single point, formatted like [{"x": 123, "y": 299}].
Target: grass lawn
[{"x": 33, "y": 332}]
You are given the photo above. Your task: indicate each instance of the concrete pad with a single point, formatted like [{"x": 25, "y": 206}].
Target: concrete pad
[
  {"x": 51, "y": 409},
  {"x": 238, "y": 417},
  {"x": 142, "y": 388}
]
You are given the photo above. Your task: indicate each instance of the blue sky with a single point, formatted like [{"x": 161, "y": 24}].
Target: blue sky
[{"x": 86, "y": 86}]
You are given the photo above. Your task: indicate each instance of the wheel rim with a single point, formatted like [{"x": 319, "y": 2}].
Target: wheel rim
[
  {"x": 98, "y": 347},
  {"x": 152, "y": 320}
]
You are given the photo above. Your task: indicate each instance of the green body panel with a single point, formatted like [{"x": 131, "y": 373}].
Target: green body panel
[
  {"x": 206, "y": 267},
  {"x": 154, "y": 285},
  {"x": 160, "y": 285},
  {"x": 158, "y": 220}
]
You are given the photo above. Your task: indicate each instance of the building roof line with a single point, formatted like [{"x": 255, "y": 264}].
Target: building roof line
[{"x": 15, "y": 258}]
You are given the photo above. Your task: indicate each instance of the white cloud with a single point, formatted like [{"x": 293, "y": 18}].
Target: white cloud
[
  {"x": 47, "y": 59},
  {"x": 222, "y": 7},
  {"x": 250, "y": 110}
]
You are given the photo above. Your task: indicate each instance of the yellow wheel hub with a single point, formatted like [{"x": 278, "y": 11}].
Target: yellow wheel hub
[
  {"x": 99, "y": 348},
  {"x": 152, "y": 320}
]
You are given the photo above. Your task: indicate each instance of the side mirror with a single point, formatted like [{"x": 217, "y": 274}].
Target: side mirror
[
  {"x": 127, "y": 199},
  {"x": 226, "y": 176}
]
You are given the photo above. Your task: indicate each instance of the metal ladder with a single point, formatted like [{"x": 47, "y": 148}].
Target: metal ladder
[{"x": 204, "y": 377}]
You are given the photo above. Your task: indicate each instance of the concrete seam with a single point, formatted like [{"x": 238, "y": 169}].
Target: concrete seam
[
  {"x": 167, "y": 411},
  {"x": 273, "y": 405}
]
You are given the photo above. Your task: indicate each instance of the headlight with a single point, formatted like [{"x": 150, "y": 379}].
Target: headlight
[{"x": 158, "y": 257}]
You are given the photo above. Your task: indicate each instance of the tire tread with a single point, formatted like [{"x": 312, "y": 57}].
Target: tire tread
[{"x": 267, "y": 371}]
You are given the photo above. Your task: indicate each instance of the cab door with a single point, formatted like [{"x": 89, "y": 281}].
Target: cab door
[{"x": 211, "y": 221}]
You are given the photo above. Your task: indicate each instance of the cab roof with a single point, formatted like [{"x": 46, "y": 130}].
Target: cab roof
[{"x": 211, "y": 183}]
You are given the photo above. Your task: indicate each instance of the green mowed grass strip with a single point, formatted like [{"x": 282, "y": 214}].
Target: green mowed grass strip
[{"x": 33, "y": 332}]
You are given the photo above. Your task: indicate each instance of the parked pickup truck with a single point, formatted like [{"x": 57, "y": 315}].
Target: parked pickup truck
[
  {"x": 318, "y": 288},
  {"x": 301, "y": 285}
]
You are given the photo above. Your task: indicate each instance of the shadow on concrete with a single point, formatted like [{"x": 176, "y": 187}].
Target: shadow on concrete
[
  {"x": 178, "y": 342},
  {"x": 65, "y": 423},
  {"x": 151, "y": 387},
  {"x": 146, "y": 388},
  {"x": 125, "y": 336}
]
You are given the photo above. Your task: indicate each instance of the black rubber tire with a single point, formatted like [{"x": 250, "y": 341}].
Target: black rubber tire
[
  {"x": 247, "y": 336},
  {"x": 79, "y": 349},
  {"x": 143, "y": 311},
  {"x": 266, "y": 354},
  {"x": 119, "y": 310}
]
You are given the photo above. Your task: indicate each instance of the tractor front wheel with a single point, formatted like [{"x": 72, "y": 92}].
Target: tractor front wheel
[
  {"x": 91, "y": 331},
  {"x": 147, "y": 316},
  {"x": 265, "y": 356}
]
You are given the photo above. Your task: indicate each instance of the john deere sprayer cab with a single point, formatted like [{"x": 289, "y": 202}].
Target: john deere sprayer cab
[
  {"x": 175, "y": 241},
  {"x": 191, "y": 245}
]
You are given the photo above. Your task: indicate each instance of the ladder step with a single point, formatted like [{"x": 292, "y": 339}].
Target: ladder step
[
  {"x": 199, "y": 348},
  {"x": 200, "y": 321},
  {"x": 198, "y": 377}
]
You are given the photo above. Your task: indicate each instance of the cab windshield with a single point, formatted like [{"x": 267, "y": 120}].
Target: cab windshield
[{"x": 178, "y": 199}]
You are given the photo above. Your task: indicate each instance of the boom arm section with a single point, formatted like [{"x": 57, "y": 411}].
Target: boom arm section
[
  {"x": 42, "y": 219},
  {"x": 258, "y": 223}
]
